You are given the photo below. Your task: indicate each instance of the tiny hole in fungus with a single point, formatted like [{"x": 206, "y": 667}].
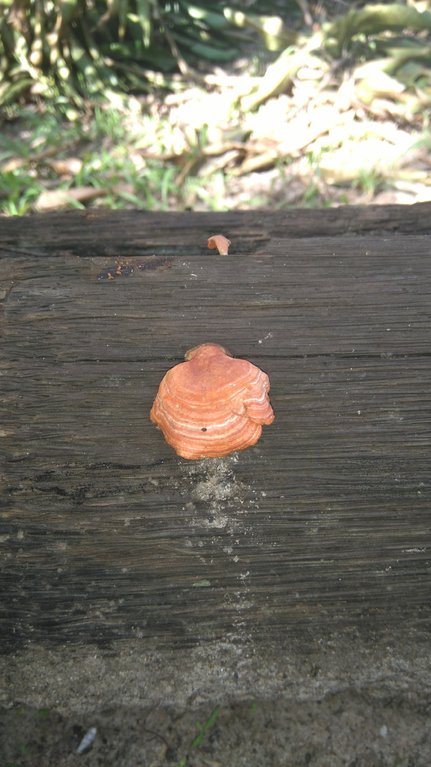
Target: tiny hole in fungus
[{"x": 204, "y": 428}]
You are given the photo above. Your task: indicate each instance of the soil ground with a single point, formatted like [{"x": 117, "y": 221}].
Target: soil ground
[{"x": 358, "y": 729}]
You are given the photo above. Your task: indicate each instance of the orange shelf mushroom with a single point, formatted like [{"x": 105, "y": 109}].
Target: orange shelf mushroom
[
  {"x": 212, "y": 404},
  {"x": 219, "y": 242}
]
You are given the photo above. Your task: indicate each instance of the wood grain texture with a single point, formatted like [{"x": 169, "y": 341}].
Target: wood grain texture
[{"x": 106, "y": 534}]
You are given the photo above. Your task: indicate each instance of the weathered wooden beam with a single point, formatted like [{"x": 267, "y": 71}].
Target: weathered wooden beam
[{"x": 109, "y": 537}]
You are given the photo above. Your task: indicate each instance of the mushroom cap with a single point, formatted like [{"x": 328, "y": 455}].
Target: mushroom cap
[
  {"x": 220, "y": 242},
  {"x": 212, "y": 404}
]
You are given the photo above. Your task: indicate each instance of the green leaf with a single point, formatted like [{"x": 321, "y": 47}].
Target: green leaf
[
  {"x": 10, "y": 92},
  {"x": 68, "y": 9},
  {"x": 145, "y": 12},
  {"x": 213, "y": 20}
]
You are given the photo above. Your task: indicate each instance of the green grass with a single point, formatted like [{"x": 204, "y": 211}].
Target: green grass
[
  {"x": 104, "y": 150},
  {"x": 18, "y": 191},
  {"x": 203, "y": 730},
  {"x": 369, "y": 181},
  {"x": 33, "y": 144}
]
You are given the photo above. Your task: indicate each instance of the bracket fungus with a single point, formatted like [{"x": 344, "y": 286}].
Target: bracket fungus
[
  {"x": 220, "y": 242},
  {"x": 212, "y": 404}
]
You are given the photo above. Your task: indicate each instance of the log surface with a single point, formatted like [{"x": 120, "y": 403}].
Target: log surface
[{"x": 323, "y": 526}]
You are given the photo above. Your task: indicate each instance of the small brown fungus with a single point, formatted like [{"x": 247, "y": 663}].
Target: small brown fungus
[
  {"x": 220, "y": 242},
  {"x": 212, "y": 404}
]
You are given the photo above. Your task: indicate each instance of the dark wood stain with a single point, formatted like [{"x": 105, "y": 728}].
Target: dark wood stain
[{"x": 105, "y": 533}]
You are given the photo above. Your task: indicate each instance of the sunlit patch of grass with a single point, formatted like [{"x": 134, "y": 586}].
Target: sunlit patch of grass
[
  {"x": 18, "y": 191},
  {"x": 114, "y": 150},
  {"x": 369, "y": 181},
  {"x": 109, "y": 123},
  {"x": 207, "y": 192},
  {"x": 312, "y": 196},
  {"x": 108, "y": 160}
]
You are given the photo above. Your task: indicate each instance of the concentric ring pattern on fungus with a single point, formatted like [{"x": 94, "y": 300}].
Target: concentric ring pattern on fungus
[{"x": 212, "y": 404}]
